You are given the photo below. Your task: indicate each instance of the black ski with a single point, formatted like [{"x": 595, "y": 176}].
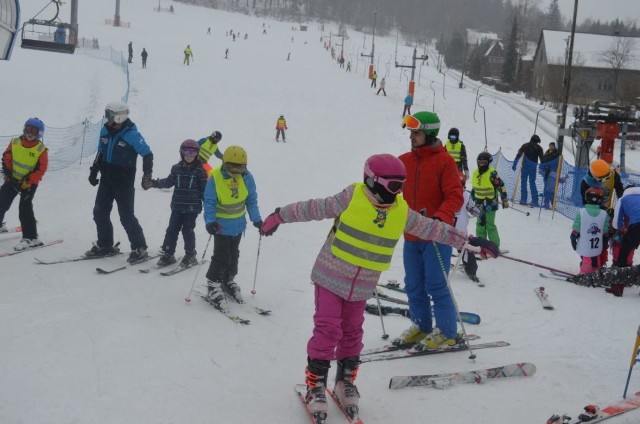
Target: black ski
[
  {"x": 180, "y": 268},
  {"x": 234, "y": 318},
  {"x": 80, "y": 258},
  {"x": 129, "y": 264},
  {"x": 156, "y": 267}
]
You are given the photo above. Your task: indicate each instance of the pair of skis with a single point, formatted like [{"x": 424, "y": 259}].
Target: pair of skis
[
  {"x": 594, "y": 414},
  {"x": 389, "y": 353},
  {"x": 350, "y": 416},
  {"x": 232, "y": 317}
]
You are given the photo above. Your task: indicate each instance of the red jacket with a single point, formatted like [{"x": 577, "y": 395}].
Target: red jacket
[{"x": 433, "y": 184}]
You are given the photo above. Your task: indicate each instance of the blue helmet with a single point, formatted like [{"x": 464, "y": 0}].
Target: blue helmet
[{"x": 35, "y": 122}]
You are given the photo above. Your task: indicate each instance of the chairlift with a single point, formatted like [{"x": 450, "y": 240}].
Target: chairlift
[{"x": 50, "y": 35}]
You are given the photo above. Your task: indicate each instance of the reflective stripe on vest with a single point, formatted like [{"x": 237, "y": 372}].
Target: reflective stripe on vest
[
  {"x": 207, "y": 149},
  {"x": 366, "y": 236},
  {"x": 24, "y": 159},
  {"x": 454, "y": 149},
  {"x": 483, "y": 189},
  {"x": 232, "y": 195}
]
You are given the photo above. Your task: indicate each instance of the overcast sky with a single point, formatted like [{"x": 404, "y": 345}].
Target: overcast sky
[{"x": 605, "y": 11}]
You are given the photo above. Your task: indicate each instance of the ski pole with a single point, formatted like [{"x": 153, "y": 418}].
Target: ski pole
[
  {"x": 472, "y": 355},
  {"x": 518, "y": 210},
  {"x": 385, "y": 336},
  {"x": 635, "y": 358},
  {"x": 568, "y": 274},
  {"x": 255, "y": 274},
  {"x": 188, "y": 298}
]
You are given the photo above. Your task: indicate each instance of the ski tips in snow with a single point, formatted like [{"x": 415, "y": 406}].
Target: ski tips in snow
[
  {"x": 594, "y": 414},
  {"x": 544, "y": 298}
]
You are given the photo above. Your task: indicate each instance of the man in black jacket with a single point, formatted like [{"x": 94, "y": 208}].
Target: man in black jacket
[{"x": 533, "y": 154}]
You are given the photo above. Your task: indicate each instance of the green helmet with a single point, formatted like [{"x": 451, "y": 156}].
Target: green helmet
[{"x": 426, "y": 121}]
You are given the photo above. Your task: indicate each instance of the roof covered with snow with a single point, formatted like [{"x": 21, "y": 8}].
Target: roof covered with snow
[
  {"x": 587, "y": 49},
  {"x": 476, "y": 37}
]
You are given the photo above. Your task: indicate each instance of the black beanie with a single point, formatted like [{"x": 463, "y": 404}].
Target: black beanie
[{"x": 535, "y": 138}]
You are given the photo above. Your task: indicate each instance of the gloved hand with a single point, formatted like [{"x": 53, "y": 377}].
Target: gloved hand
[
  {"x": 93, "y": 176},
  {"x": 466, "y": 174},
  {"x": 146, "y": 181},
  {"x": 214, "y": 228},
  {"x": 25, "y": 185},
  {"x": 155, "y": 183},
  {"x": 258, "y": 225},
  {"x": 484, "y": 247},
  {"x": 574, "y": 239},
  {"x": 505, "y": 204},
  {"x": 271, "y": 223}
]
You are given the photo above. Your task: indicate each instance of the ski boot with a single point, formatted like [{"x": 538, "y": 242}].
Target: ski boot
[
  {"x": 345, "y": 391},
  {"x": 233, "y": 289},
  {"x": 215, "y": 296},
  {"x": 435, "y": 340},
  {"x": 316, "y": 381},
  {"x": 189, "y": 259},
  {"x": 591, "y": 412},
  {"x": 26, "y": 243},
  {"x": 97, "y": 251},
  {"x": 166, "y": 259},
  {"x": 138, "y": 255},
  {"x": 409, "y": 337}
]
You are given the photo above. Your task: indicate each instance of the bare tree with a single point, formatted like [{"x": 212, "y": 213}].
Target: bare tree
[{"x": 619, "y": 54}]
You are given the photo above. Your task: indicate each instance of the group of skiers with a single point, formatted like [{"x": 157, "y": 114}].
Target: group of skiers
[{"x": 368, "y": 219}]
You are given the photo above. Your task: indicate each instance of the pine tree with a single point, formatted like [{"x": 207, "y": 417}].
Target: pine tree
[
  {"x": 511, "y": 54},
  {"x": 454, "y": 55},
  {"x": 553, "y": 17}
]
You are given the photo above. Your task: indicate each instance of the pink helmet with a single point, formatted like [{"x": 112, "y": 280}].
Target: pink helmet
[{"x": 387, "y": 170}]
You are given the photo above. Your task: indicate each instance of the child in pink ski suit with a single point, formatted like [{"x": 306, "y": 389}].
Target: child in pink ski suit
[{"x": 369, "y": 219}]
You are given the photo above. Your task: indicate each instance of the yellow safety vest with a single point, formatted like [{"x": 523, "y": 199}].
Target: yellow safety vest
[
  {"x": 482, "y": 186},
  {"x": 366, "y": 236},
  {"x": 232, "y": 195},
  {"x": 208, "y": 149},
  {"x": 454, "y": 149},
  {"x": 24, "y": 159}
]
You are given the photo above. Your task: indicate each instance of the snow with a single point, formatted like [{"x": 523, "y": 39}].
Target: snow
[{"x": 83, "y": 348}]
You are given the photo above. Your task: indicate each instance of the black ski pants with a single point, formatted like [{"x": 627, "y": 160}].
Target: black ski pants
[
  {"x": 8, "y": 192},
  {"x": 630, "y": 242},
  {"x": 224, "y": 262},
  {"x": 125, "y": 199},
  {"x": 179, "y": 221}
]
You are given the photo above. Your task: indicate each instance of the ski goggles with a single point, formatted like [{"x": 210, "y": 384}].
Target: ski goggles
[
  {"x": 391, "y": 184},
  {"x": 410, "y": 122},
  {"x": 189, "y": 153},
  {"x": 606, "y": 177},
  {"x": 483, "y": 162},
  {"x": 453, "y": 137},
  {"x": 235, "y": 168}
]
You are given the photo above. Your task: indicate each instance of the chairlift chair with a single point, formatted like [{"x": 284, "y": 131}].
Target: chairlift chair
[{"x": 49, "y": 35}]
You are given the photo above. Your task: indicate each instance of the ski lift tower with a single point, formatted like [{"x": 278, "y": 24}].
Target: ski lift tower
[
  {"x": 412, "y": 83},
  {"x": 373, "y": 45}
]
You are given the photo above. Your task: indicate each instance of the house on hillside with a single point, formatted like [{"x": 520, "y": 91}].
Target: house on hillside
[
  {"x": 593, "y": 76},
  {"x": 485, "y": 54}
]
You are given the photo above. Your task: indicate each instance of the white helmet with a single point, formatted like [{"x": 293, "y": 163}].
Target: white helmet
[{"x": 118, "y": 111}]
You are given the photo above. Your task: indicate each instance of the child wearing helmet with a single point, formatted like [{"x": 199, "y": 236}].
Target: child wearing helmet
[
  {"x": 24, "y": 163},
  {"x": 589, "y": 231},
  {"x": 189, "y": 179},
  {"x": 601, "y": 175},
  {"x": 368, "y": 219},
  {"x": 486, "y": 186},
  {"x": 229, "y": 195},
  {"x": 209, "y": 147}
]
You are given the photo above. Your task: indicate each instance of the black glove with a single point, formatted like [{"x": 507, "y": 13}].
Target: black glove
[
  {"x": 93, "y": 176},
  {"x": 146, "y": 181},
  {"x": 574, "y": 239},
  {"x": 487, "y": 248},
  {"x": 258, "y": 225},
  {"x": 213, "y": 228},
  {"x": 505, "y": 204},
  {"x": 155, "y": 183}
]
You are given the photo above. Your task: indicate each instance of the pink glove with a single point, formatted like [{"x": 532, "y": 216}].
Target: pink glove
[{"x": 271, "y": 223}]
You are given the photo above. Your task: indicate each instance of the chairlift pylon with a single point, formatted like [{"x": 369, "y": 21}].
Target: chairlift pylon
[{"x": 49, "y": 35}]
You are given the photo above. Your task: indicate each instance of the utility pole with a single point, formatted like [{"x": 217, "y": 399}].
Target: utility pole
[
  {"x": 116, "y": 18},
  {"x": 373, "y": 45},
  {"x": 412, "y": 83},
  {"x": 74, "y": 23},
  {"x": 464, "y": 62},
  {"x": 563, "y": 118}
]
